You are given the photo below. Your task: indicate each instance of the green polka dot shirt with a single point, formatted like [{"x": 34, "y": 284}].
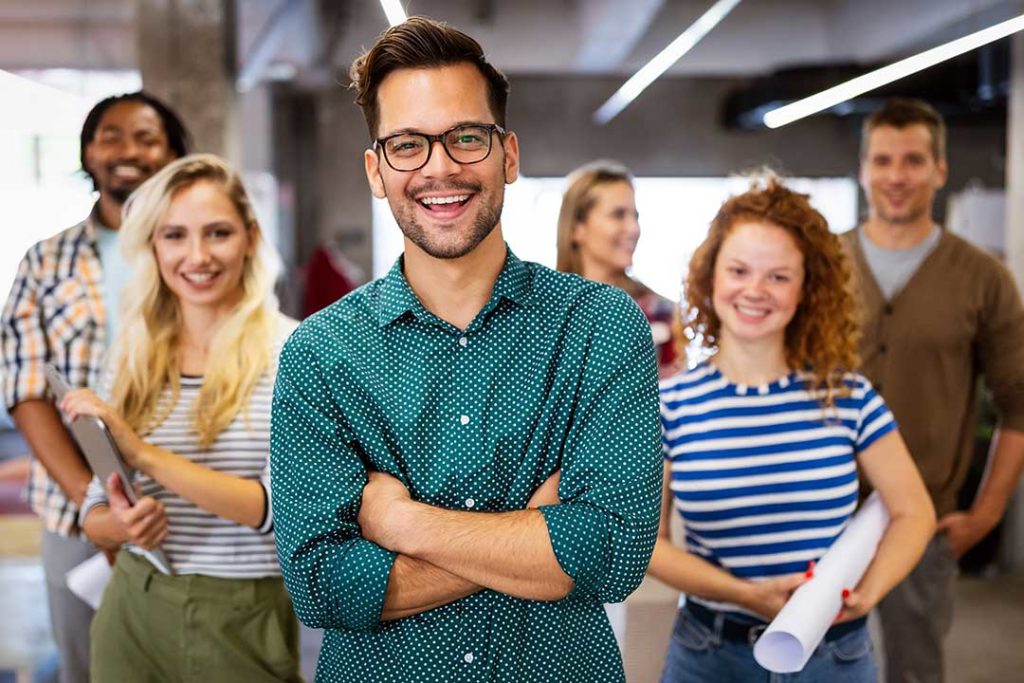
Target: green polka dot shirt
[{"x": 555, "y": 372}]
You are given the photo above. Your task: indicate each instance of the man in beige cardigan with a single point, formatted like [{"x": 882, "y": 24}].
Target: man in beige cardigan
[{"x": 939, "y": 312}]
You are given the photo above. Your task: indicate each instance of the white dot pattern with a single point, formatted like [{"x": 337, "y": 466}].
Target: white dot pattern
[{"x": 556, "y": 373}]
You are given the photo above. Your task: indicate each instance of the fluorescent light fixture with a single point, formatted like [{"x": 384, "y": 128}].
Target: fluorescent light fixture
[
  {"x": 393, "y": 10},
  {"x": 663, "y": 60},
  {"x": 887, "y": 74}
]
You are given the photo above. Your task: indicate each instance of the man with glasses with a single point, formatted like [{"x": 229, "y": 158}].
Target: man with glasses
[{"x": 465, "y": 452}]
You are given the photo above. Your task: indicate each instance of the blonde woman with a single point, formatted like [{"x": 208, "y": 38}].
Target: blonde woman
[
  {"x": 598, "y": 230},
  {"x": 190, "y": 391}
]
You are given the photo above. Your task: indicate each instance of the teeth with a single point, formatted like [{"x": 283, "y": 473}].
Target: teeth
[
  {"x": 198, "y": 277},
  {"x": 129, "y": 171},
  {"x": 444, "y": 200},
  {"x": 754, "y": 312}
]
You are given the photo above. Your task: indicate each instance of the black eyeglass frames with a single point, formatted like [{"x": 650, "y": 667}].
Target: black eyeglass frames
[{"x": 468, "y": 143}]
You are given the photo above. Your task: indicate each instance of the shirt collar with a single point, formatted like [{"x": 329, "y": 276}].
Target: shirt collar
[{"x": 396, "y": 297}]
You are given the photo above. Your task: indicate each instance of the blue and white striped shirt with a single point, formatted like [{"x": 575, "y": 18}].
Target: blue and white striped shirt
[{"x": 764, "y": 477}]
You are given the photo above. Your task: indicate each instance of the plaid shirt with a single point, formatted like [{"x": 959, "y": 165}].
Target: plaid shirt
[{"x": 54, "y": 314}]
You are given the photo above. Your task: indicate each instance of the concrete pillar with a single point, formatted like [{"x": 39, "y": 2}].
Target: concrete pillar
[
  {"x": 1012, "y": 551},
  {"x": 186, "y": 54}
]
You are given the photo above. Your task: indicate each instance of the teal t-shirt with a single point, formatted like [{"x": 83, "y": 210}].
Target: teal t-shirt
[
  {"x": 555, "y": 372},
  {"x": 116, "y": 274}
]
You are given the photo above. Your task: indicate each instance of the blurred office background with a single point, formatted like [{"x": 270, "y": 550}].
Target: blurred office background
[{"x": 263, "y": 82}]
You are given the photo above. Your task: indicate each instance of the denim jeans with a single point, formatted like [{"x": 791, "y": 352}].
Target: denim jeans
[{"x": 697, "y": 654}]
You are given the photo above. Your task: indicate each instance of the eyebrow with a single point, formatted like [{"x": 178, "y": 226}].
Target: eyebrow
[
  {"x": 408, "y": 131},
  {"x": 214, "y": 224}
]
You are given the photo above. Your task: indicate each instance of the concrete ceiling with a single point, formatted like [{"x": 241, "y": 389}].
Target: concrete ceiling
[{"x": 316, "y": 39}]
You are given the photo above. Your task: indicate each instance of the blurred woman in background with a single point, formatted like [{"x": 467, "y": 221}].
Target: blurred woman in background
[
  {"x": 598, "y": 230},
  {"x": 189, "y": 407}
]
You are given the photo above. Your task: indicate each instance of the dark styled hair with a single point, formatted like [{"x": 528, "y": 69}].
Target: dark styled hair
[
  {"x": 178, "y": 138},
  {"x": 421, "y": 43},
  {"x": 901, "y": 112},
  {"x": 823, "y": 334}
]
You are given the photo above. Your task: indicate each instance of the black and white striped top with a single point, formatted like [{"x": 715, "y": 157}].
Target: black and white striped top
[{"x": 199, "y": 542}]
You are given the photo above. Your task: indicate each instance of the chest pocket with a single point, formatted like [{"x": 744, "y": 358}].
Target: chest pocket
[{"x": 68, "y": 312}]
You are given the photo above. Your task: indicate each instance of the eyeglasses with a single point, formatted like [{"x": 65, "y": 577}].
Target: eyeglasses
[{"x": 465, "y": 144}]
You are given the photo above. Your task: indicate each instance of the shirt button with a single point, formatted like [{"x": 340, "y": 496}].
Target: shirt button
[
  {"x": 470, "y": 502},
  {"x": 464, "y": 419},
  {"x": 463, "y": 341},
  {"x": 468, "y": 659}
]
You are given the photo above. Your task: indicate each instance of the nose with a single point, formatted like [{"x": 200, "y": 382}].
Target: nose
[
  {"x": 633, "y": 226},
  {"x": 756, "y": 290},
  {"x": 130, "y": 149},
  {"x": 440, "y": 165},
  {"x": 198, "y": 251}
]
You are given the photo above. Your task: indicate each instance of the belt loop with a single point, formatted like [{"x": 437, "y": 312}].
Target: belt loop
[{"x": 719, "y": 627}]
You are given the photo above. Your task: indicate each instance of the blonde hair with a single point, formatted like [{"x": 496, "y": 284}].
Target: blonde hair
[
  {"x": 145, "y": 354},
  {"x": 578, "y": 200}
]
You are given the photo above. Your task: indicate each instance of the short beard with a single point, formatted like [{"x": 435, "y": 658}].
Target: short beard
[
  {"x": 120, "y": 194},
  {"x": 905, "y": 219},
  {"x": 484, "y": 223}
]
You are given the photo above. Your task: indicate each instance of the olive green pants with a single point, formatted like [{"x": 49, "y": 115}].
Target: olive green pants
[{"x": 156, "y": 628}]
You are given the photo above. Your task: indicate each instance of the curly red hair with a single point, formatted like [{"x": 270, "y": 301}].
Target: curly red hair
[{"x": 822, "y": 336}]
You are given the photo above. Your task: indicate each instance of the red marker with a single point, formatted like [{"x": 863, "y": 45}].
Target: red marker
[
  {"x": 846, "y": 593},
  {"x": 810, "y": 570}
]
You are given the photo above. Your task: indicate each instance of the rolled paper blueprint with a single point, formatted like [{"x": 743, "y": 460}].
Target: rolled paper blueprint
[{"x": 791, "y": 638}]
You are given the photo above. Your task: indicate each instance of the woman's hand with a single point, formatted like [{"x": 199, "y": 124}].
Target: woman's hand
[
  {"x": 766, "y": 598},
  {"x": 856, "y": 604},
  {"x": 84, "y": 402},
  {"x": 145, "y": 523}
]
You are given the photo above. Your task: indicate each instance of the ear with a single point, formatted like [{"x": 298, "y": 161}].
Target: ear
[
  {"x": 371, "y": 161},
  {"x": 579, "y": 228},
  {"x": 942, "y": 168},
  {"x": 254, "y": 239},
  {"x": 511, "y": 145}
]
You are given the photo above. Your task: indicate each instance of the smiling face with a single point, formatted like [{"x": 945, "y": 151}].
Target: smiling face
[
  {"x": 129, "y": 146},
  {"x": 445, "y": 208},
  {"x": 201, "y": 246},
  {"x": 758, "y": 279},
  {"x": 607, "y": 236},
  {"x": 900, "y": 174}
]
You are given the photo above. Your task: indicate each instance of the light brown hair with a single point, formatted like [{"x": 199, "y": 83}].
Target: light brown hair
[
  {"x": 579, "y": 198},
  {"x": 902, "y": 112}
]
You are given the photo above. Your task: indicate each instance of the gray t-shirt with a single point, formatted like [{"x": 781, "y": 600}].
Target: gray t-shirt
[
  {"x": 893, "y": 267},
  {"x": 116, "y": 274}
]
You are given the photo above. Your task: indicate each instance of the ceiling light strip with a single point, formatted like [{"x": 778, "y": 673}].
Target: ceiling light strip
[
  {"x": 663, "y": 60},
  {"x": 887, "y": 74},
  {"x": 394, "y": 11}
]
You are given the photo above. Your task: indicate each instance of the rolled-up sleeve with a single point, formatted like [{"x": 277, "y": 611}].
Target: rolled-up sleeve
[
  {"x": 95, "y": 495},
  {"x": 336, "y": 578},
  {"x": 604, "y": 530}
]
